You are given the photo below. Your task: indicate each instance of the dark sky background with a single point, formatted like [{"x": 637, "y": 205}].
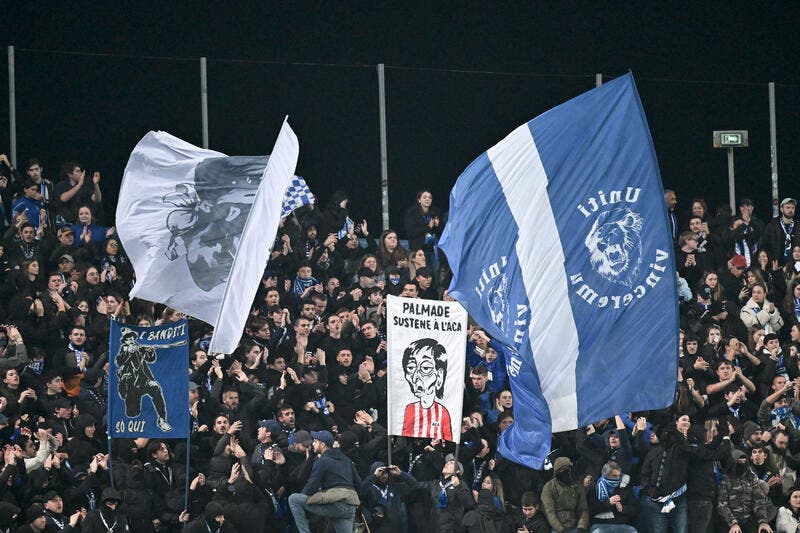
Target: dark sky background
[{"x": 459, "y": 77}]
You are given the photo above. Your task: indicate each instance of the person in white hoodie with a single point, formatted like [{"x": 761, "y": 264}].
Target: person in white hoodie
[{"x": 758, "y": 311}]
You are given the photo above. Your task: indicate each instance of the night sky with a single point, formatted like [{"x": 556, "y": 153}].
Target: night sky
[{"x": 459, "y": 77}]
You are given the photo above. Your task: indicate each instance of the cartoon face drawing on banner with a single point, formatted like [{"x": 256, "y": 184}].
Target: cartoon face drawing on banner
[
  {"x": 207, "y": 223},
  {"x": 615, "y": 245},
  {"x": 136, "y": 380},
  {"x": 425, "y": 371}
]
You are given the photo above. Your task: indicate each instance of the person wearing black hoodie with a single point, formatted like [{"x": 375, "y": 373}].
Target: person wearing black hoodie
[
  {"x": 213, "y": 519},
  {"x": 107, "y": 518},
  {"x": 383, "y": 498},
  {"x": 486, "y": 518},
  {"x": 710, "y": 455}
]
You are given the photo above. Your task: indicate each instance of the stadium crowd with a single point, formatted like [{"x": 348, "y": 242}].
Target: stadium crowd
[{"x": 288, "y": 432}]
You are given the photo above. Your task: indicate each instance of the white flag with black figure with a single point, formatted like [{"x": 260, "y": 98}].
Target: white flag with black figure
[{"x": 198, "y": 226}]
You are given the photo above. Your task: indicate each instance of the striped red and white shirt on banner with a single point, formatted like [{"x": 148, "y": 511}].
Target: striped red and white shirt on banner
[{"x": 432, "y": 422}]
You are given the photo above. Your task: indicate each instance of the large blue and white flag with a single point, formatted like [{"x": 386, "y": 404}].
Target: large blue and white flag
[
  {"x": 148, "y": 387},
  {"x": 559, "y": 244},
  {"x": 198, "y": 226}
]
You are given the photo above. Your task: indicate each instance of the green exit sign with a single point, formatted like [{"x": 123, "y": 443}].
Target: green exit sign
[{"x": 731, "y": 139}]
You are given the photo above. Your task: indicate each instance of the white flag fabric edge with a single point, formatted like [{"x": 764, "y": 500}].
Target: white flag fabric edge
[
  {"x": 437, "y": 324},
  {"x": 253, "y": 251}
]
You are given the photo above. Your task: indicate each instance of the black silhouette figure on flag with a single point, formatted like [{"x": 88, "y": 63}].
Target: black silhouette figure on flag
[{"x": 136, "y": 380}]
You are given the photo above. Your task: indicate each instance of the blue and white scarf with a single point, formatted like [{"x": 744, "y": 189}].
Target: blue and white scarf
[
  {"x": 606, "y": 487},
  {"x": 779, "y": 414},
  {"x": 301, "y": 284}
]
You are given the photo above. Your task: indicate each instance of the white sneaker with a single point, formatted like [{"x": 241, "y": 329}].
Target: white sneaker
[{"x": 163, "y": 425}]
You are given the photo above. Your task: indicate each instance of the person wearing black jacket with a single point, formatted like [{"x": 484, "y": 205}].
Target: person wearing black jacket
[
  {"x": 710, "y": 455},
  {"x": 107, "y": 518},
  {"x": 383, "y": 498},
  {"x": 663, "y": 477}
]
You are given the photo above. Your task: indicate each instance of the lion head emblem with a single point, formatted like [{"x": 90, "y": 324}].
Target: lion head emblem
[
  {"x": 615, "y": 245},
  {"x": 497, "y": 300}
]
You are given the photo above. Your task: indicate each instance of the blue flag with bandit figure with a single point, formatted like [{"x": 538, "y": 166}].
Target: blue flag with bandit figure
[
  {"x": 559, "y": 243},
  {"x": 148, "y": 389}
]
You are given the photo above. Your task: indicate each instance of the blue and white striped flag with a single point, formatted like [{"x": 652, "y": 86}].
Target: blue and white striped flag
[
  {"x": 297, "y": 195},
  {"x": 559, "y": 244}
]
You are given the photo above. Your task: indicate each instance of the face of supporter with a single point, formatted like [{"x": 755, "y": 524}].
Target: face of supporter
[
  {"x": 331, "y": 285},
  {"x": 505, "y": 399},
  {"x": 304, "y": 272},
  {"x": 112, "y": 304},
  {"x": 788, "y": 210},
  {"x": 231, "y": 399},
  {"x": 697, "y": 209},
  {"x": 302, "y": 328},
  {"x": 613, "y": 441},
  {"x": 751, "y": 278},
  {"x": 273, "y": 298},
  {"x": 35, "y": 173},
  {"x": 758, "y": 294},
  {"x": 695, "y": 225},
  {"x": 308, "y": 310},
  {"x": 691, "y": 347},
  {"x": 369, "y": 330},
  {"x": 33, "y": 268},
  {"x": 487, "y": 483},
  {"x": 670, "y": 199},
  {"x": 77, "y": 337},
  {"x": 419, "y": 259},
  {"x": 112, "y": 247},
  {"x": 55, "y": 385},
  {"x": 370, "y": 263},
  {"x": 711, "y": 280},
  {"x": 279, "y": 364},
  {"x": 773, "y": 344},
  {"x": 375, "y": 298},
  {"x": 724, "y": 371},
  {"x": 11, "y": 378},
  {"x": 31, "y": 192},
  {"x": 311, "y": 233},
  {"x": 781, "y": 442},
  {"x": 56, "y": 505},
  {"x": 89, "y": 431},
  {"x": 755, "y": 438},
  {"x": 287, "y": 418},
  {"x": 344, "y": 357},
  {"x": 221, "y": 425},
  {"x": 478, "y": 380},
  {"x": 691, "y": 244},
  {"x": 390, "y": 241},
  {"x": 758, "y": 457},
  {"x": 320, "y": 306},
  {"x": 796, "y": 253},
  {"x": 53, "y": 282},
  {"x": 318, "y": 446},
  {"x": 425, "y": 199},
  {"x": 423, "y": 377},
  {"x": 84, "y": 215},
  {"x": 794, "y": 333},
  {"x": 92, "y": 276},
  {"x": 424, "y": 283},
  {"x": 683, "y": 423},
  {"x": 263, "y": 332},
  {"x": 253, "y": 354},
  {"x": 529, "y": 511},
  {"x": 28, "y": 234},
  {"x": 794, "y": 500},
  {"x": 409, "y": 291},
  {"x": 503, "y": 423},
  {"x": 449, "y": 469},
  {"x": 490, "y": 354},
  {"x": 714, "y": 336},
  {"x": 200, "y": 358}
]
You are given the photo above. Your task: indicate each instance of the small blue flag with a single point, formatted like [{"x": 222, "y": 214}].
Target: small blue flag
[
  {"x": 148, "y": 389},
  {"x": 559, "y": 244}
]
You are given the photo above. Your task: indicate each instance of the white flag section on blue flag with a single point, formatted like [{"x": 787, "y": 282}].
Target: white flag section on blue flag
[
  {"x": 198, "y": 226},
  {"x": 559, "y": 244}
]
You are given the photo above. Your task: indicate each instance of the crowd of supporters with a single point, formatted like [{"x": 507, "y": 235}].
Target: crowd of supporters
[{"x": 288, "y": 432}]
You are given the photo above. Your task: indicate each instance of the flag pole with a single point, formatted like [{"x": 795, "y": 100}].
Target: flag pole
[
  {"x": 389, "y": 450},
  {"x": 186, "y": 483},
  {"x": 109, "y": 422}
]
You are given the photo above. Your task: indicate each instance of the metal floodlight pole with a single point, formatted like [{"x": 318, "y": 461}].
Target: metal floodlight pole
[
  {"x": 598, "y": 80},
  {"x": 384, "y": 168},
  {"x": 773, "y": 149},
  {"x": 204, "y": 100},
  {"x": 12, "y": 108}
]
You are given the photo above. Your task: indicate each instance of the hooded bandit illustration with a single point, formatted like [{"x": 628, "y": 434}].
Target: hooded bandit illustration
[
  {"x": 136, "y": 379},
  {"x": 209, "y": 215}
]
